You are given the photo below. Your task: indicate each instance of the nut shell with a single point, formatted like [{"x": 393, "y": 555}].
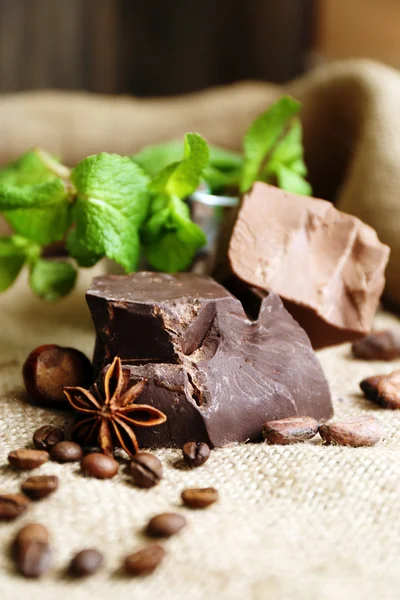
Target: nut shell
[{"x": 49, "y": 368}]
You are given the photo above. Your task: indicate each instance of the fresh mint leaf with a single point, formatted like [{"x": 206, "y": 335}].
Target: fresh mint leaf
[
  {"x": 153, "y": 159},
  {"x": 171, "y": 238},
  {"x": 219, "y": 181},
  {"x": 34, "y": 199},
  {"x": 223, "y": 168},
  {"x": 225, "y": 160},
  {"x": 14, "y": 196},
  {"x": 262, "y": 136},
  {"x": 14, "y": 251},
  {"x": 286, "y": 166},
  {"x": 112, "y": 203},
  {"x": 85, "y": 257},
  {"x": 180, "y": 179},
  {"x": 52, "y": 279},
  {"x": 38, "y": 212},
  {"x": 157, "y": 224},
  {"x": 28, "y": 169}
]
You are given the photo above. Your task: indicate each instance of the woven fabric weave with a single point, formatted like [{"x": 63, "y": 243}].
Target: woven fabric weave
[{"x": 300, "y": 522}]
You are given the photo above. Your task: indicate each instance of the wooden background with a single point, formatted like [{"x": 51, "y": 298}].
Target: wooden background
[{"x": 150, "y": 47}]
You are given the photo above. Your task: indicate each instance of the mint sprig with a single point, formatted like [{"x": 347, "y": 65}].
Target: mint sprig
[
  {"x": 127, "y": 208},
  {"x": 111, "y": 205},
  {"x": 170, "y": 237}
]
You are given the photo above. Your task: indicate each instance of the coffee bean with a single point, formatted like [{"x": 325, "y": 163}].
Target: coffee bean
[
  {"x": 146, "y": 470},
  {"x": 370, "y": 386},
  {"x": 199, "y": 497},
  {"x": 195, "y": 454},
  {"x": 40, "y": 486},
  {"x": 355, "y": 432},
  {"x": 165, "y": 525},
  {"x": 99, "y": 465},
  {"x": 86, "y": 562},
  {"x": 144, "y": 561},
  {"x": 49, "y": 368},
  {"x": 12, "y": 505},
  {"x": 378, "y": 345},
  {"x": 66, "y": 452},
  {"x": 47, "y": 436},
  {"x": 31, "y": 532},
  {"x": 388, "y": 391},
  {"x": 33, "y": 558},
  {"x": 290, "y": 430},
  {"x": 27, "y": 459}
]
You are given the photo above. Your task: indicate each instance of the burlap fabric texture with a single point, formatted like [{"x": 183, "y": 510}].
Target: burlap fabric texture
[
  {"x": 301, "y": 522},
  {"x": 351, "y": 133}
]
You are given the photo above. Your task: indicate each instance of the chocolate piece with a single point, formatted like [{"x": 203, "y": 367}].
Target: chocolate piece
[
  {"x": 327, "y": 266},
  {"x": 240, "y": 375}
]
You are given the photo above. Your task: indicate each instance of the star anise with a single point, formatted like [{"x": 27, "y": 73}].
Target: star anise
[{"x": 109, "y": 416}]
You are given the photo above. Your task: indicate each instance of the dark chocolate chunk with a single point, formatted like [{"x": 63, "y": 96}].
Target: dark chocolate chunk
[{"x": 238, "y": 374}]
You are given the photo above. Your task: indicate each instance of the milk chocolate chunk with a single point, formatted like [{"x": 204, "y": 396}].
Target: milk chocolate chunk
[
  {"x": 216, "y": 375},
  {"x": 327, "y": 266}
]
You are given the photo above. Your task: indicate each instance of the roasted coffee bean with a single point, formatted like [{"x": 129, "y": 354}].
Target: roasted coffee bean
[
  {"x": 388, "y": 391},
  {"x": 86, "y": 562},
  {"x": 165, "y": 525},
  {"x": 146, "y": 470},
  {"x": 40, "y": 486},
  {"x": 66, "y": 452},
  {"x": 144, "y": 561},
  {"x": 31, "y": 532},
  {"x": 378, "y": 345},
  {"x": 27, "y": 459},
  {"x": 355, "y": 432},
  {"x": 49, "y": 368},
  {"x": 199, "y": 497},
  {"x": 99, "y": 465},
  {"x": 47, "y": 436},
  {"x": 33, "y": 558},
  {"x": 195, "y": 454},
  {"x": 290, "y": 430},
  {"x": 370, "y": 386},
  {"x": 12, "y": 505}
]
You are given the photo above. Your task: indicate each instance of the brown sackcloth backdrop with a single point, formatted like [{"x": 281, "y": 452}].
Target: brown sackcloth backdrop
[{"x": 301, "y": 522}]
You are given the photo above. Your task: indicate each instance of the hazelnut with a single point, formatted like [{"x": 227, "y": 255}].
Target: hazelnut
[{"x": 49, "y": 368}]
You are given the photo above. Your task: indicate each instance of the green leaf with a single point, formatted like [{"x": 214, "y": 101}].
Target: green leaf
[
  {"x": 286, "y": 166},
  {"x": 14, "y": 196},
  {"x": 262, "y": 136},
  {"x": 112, "y": 203},
  {"x": 292, "y": 182},
  {"x": 152, "y": 159},
  {"x": 225, "y": 160},
  {"x": 171, "y": 238},
  {"x": 180, "y": 179},
  {"x": 52, "y": 279},
  {"x": 85, "y": 257},
  {"x": 14, "y": 252},
  {"x": 38, "y": 212},
  {"x": 28, "y": 169},
  {"x": 220, "y": 181},
  {"x": 223, "y": 168}
]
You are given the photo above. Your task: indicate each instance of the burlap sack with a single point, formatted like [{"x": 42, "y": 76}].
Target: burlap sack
[
  {"x": 351, "y": 132},
  {"x": 301, "y": 522}
]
